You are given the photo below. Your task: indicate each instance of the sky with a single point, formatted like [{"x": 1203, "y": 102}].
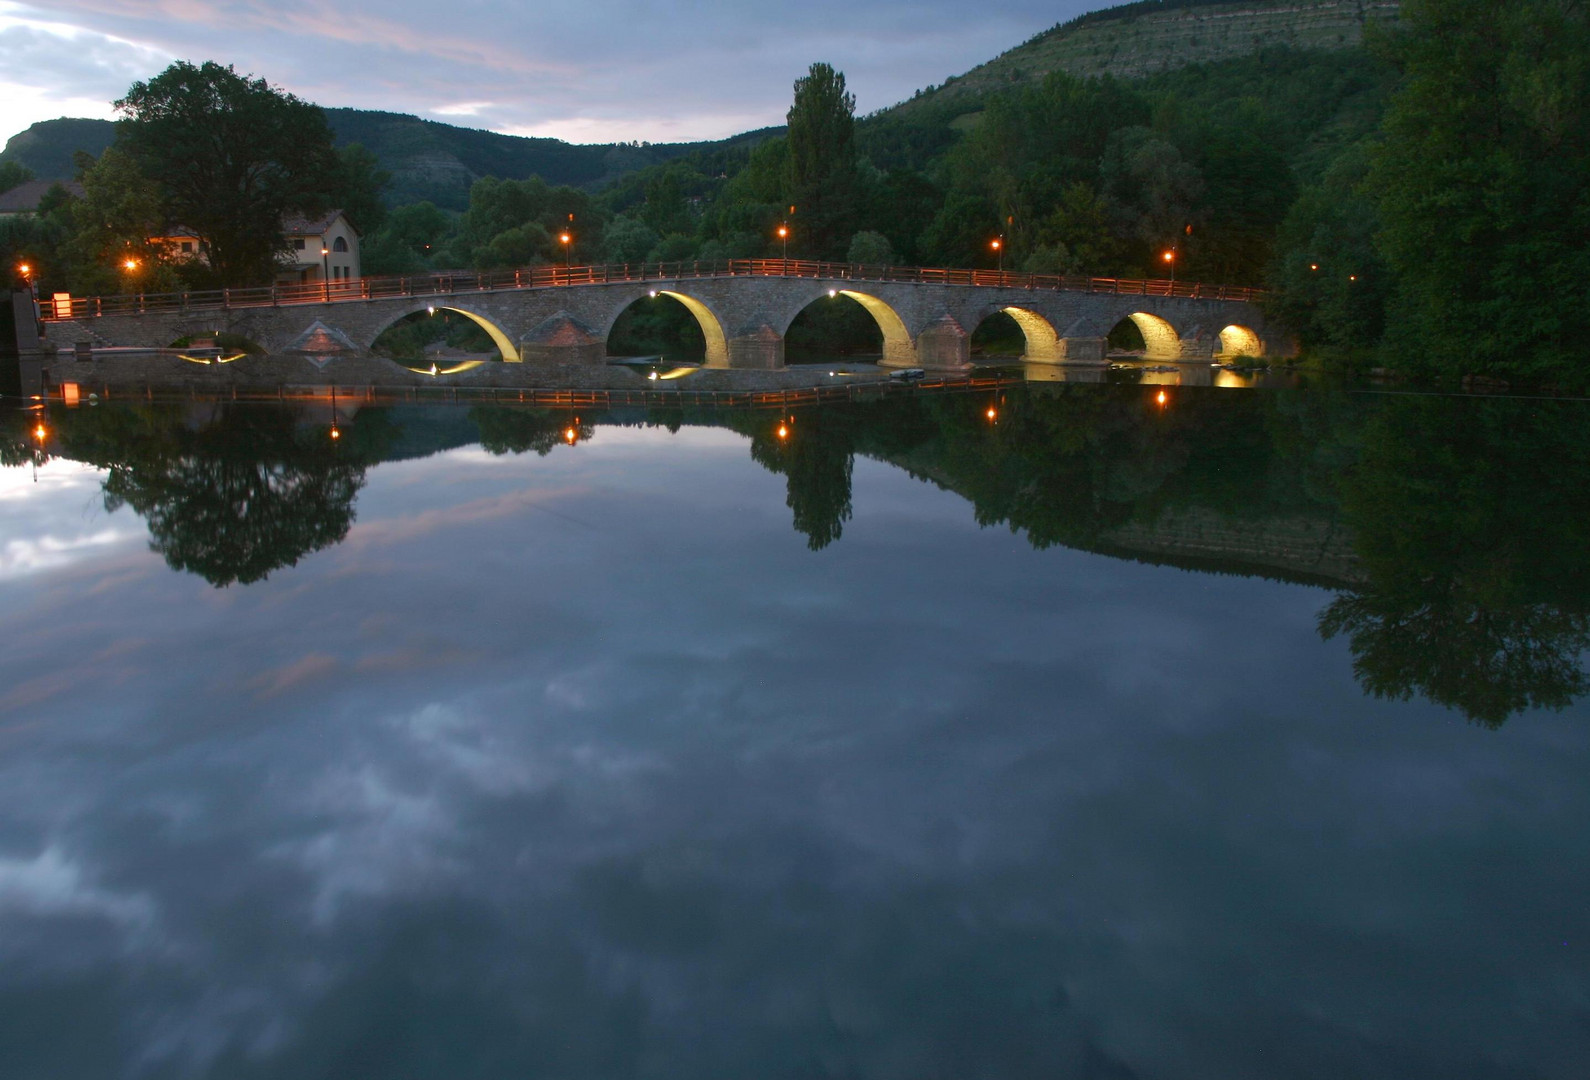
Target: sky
[
  {"x": 585, "y": 761},
  {"x": 592, "y": 71}
]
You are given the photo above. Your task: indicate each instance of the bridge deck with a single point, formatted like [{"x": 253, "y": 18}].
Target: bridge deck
[{"x": 452, "y": 283}]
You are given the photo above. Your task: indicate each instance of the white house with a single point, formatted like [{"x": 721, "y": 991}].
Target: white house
[{"x": 324, "y": 248}]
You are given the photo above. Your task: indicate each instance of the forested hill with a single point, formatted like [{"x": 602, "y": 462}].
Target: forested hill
[
  {"x": 1155, "y": 36},
  {"x": 428, "y": 160}
]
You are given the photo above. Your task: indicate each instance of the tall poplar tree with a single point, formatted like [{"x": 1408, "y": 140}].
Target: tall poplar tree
[{"x": 822, "y": 164}]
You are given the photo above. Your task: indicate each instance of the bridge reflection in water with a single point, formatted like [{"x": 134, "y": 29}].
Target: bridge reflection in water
[{"x": 1453, "y": 531}]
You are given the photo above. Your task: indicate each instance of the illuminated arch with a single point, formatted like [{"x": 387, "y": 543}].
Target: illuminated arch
[
  {"x": 711, "y": 328},
  {"x": 510, "y": 354},
  {"x": 897, "y": 346},
  {"x": 1043, "y": 343},
  {"x": 1240, "y": 341},
  {"x": 1160, "y": 336}
]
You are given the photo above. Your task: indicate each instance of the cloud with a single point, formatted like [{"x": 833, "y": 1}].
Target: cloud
[
  {"x": 52, "y": 885},
  {"x": 605, "y": 70}
]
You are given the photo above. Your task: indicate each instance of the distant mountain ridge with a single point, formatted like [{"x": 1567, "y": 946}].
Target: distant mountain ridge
[
  {"x": 427, "y": 159},
  {"x": 1153, "y": 36},
  {"x": 438, "y": 162}
]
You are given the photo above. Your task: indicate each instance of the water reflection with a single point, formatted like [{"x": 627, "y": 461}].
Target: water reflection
[
  {"x": 1452, "y": 529},
  {"x": 574, "y": 761}
]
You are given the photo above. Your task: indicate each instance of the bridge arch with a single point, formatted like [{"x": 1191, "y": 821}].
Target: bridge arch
[
  {"x": 510, "y": 353},
  {"x": 711, "y": 327},
  {"x": 1160, "y": 340},
  {"x": 716, "y": 341},
  {"x": 899, "y": 348},
  {"x": 1041, "y": 338},
  {"x": 1240, "y": 341},
  {"x": 897, "y": 345}
]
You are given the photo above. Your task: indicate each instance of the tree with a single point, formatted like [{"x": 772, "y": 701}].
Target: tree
[
  {"x": 356, "y": 188},
  {"x": 871, "y": 249},
  {"x": 12, "y": 174},
  {"x": 1483, "y": 180},
  {"x": 822, "y": 162},
  {"x": 110, "y": 250},
  {"x": 230, "y": 156}
]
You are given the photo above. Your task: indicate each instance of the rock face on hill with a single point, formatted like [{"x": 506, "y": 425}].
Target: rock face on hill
[{"x": 1147, "y": 38}]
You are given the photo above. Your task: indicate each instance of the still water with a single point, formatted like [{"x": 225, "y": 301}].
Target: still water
[{"x": 1237, "y": 736}]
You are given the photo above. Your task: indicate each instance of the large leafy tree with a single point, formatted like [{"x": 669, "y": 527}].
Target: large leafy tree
[
  {"x": 822, "y": 162},
  {"x": 230, "y": 155},
  {"x": 1483, "y": 178}
]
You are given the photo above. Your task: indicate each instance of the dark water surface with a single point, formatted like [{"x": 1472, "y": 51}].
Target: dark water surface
[{"x": 1241, "y": 736}]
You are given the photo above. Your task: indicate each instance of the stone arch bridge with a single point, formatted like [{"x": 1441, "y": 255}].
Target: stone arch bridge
[{"x": 745, "y": 307}]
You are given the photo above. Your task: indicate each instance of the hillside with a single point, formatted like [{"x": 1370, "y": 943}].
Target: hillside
[
  {"x": 1156, "y": 36},
  {"x": 428, "y": 160}
]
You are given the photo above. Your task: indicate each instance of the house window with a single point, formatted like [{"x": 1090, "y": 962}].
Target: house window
[
  {"x": 341, "y": 244},
  {"x": 298, "y": 243},
  {"x": 187, "y": 247}
]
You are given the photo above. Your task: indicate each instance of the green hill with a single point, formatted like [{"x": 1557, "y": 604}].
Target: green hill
[
  {"x": 46, "y": 148},
  {"x": 1156, "y": 36},
  {"x": 428, "y": 160}
]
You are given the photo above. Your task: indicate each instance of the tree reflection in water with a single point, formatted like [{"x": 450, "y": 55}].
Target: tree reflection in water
[
  {"x": 233, "y": 495},
  {"x": 1472, "y": 520},
  {"x": 1454, "y": 530}
]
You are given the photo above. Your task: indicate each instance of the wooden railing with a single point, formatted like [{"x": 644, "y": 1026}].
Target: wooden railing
[{"x": 444, "y": 283}]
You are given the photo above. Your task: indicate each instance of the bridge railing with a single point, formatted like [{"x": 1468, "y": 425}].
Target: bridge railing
[{"x": 443, "y": 283}]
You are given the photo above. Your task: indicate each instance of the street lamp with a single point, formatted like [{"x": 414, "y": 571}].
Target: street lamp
[
  {"x": 999, "y": 249},
  {"x": 1170, "y": 257},
  {"x": 567, "y": 239},
  {"x": 783, "y": 235},
  {"x": 325, "y": 272}
]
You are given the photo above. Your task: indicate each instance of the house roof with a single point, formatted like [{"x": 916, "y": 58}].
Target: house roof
[
  {"x": 26, "y": 196},
  {"x": 299, "y": 225}
]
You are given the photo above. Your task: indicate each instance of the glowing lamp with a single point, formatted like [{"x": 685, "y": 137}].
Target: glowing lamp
[
  {"x": 571, "y": 436},
  {"x": 565, "y": 238},
  {"x": 782, "y": 232},
  {"x": 783, "y": 431},
  {"x": 39, "y": 433},
  {"x": 992, "y": 413},
  {"x": 24, "y": 269},
  {"x": 832, "y": 293},
  {"x": 335, "y": 434},
  {"x": 130, "y": 264},
  {"x": 1170, "y": 256},
  {"x": 1162, "y": 397},
  {"x": 995, "y": 245}
]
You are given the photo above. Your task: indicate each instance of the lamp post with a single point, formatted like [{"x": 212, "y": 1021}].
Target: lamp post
[
  {"x": 567, "y": 240},
  {"x": 998, "y": 245},
  {"x": 325, "y": 272},
  {"x": 783, "y": 235},
  {"x": 1170, "y": 257}
]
